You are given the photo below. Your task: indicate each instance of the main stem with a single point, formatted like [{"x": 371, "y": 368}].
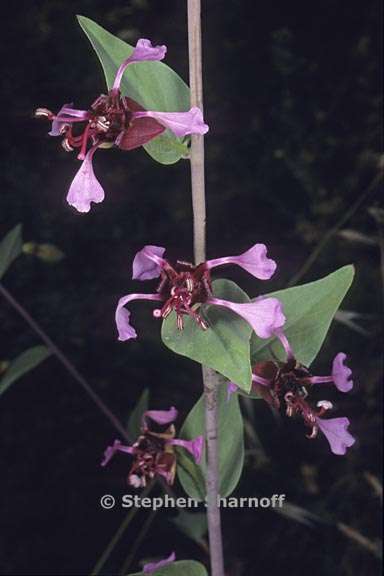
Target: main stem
[{"x": 210, "y": 378}]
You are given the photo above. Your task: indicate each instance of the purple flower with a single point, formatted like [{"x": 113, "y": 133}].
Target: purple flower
[
  {"x": 85, "y": 187},
  {"x": 114, "y": 120},
  {"x": 254, "y": 261},
  {"x": 180, "y": 123},
  {"x": 183, "y": 286},
  {"x": 153, "y": 566},
  {"x": 265, "y": 315},
  {"x": 335, "y": 430},
  {"x": 143, "y": 51},
  {"x": 341, "y": 374},
  {"x": 286, "y": 386},
  {"x": 153, "y": 453}
]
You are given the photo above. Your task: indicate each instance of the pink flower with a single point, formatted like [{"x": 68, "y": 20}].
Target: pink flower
[
  {"x": 286, "y": 386},
  {"x": 183, "y": 285},
  {"x": 180, "y": 123},
  {"x": 254, "y": 261},
  {"x": 335, "y": 430},
  {"x": 153, "y": 566},
  {"x": 85, "y": 187},
  {"x": 153, "y": 452},
  {"x": 114, "y": 120}
]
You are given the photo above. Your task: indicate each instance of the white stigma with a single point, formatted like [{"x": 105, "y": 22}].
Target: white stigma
[{"x": 324, "y": 404}]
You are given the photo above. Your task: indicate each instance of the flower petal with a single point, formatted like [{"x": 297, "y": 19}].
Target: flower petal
[
  {"x": 161, "y": 416},
  {"x": 143, "y": 51},
  {"x": 254, "y": 261},
  {"x": 147, "y": 263},
  {"x": 265, "y": 315},
  {"x": 285, "y": 343},
  {"x": 341, "y": 374},
  {"x": 231, "y": 389},
  {"x": 153, "y": 566},
  {"x": 67, "y": 115},
  {"x": 85, "y": 187},
  {"x": 111, "y": 450},
  {"x": 122, "y": 315},
  {"x": 335, "y": 430},
  {"x": 195, "y": 447},
  {"x": 180, "y": 123},
  {"x": 139, "y": 132}
]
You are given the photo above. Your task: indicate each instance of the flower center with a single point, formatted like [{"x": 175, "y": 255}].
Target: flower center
[{"x": 183, "y": 287}]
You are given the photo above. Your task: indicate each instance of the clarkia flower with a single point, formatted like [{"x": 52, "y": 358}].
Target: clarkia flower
[
  {"x": 153, "y": 566},
  {"x": 153, "y": 452},
  {"x": 286, "y": 386},
  {"x": 183, "y": 287},
  {"x": 114, "y": 120}
]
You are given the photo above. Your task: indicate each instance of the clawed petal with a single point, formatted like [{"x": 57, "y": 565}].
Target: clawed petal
[
  {"x": 161, "y": 416},
  {"x": 143, "y": 51},
  {"x": 67, "y": 115},
  {"x": 335, "y": 430},
  {"x": 122, "y": 315},
  {"x": 341, "y": 374},
  {"x": 147, "y": 263},
  {"x": 254, "y": 261},
  {"x": 111, "y": 450},
  {"x": 195, "y": 447},
  {"x": 265, "y": 315},
  {"x": 285, "y": 343},
  {"x": 153, "y": 566},
  {"x": 85, "y": 187},
  {"x": 180, "y": 123}
]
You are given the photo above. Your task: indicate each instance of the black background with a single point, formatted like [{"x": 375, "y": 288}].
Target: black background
[{"x": 292, "y": 97}]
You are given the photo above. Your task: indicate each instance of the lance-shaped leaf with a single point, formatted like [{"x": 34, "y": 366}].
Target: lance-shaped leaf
[
  {"x": 231, "y": 446},
  {"x": 23, "y": 364},
  {"x": 10, "y": 248},
  {"x": 224, "y": 346},
  {"x": 309, "y": 309},
  {"x": 152, "y": 84}
]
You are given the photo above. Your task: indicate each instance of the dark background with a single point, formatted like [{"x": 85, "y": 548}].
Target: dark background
[{"x": 292, "y": 96}]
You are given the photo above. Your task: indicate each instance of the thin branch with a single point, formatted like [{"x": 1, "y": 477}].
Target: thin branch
[
  {"x": 63, "y": 359},
  {"x": 119, "y": 533},
  {"x": 140, "y": 537}
]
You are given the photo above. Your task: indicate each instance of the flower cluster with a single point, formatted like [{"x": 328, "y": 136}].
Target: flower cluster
[
  {"x": 153, "y": 452},
  {"x": 183, "y": 287},
  {"x": 114, "y": 120},
  {"x": 286, "y": 385}
]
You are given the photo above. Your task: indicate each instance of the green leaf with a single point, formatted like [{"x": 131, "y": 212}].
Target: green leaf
[
  {"x": 23, "y": 364},
  {"x": 152, "y": 84},
  {"x": 231, "y": 447},
  {"x": 184, "y": 568},
  {"x": 224, "y": 346},
  {"x": 309, "y": 309},
  {"x": 10, "y": 248},
  {"x": 135, "y": 418}
]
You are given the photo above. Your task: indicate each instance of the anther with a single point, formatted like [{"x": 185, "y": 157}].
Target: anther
[
  {"x": 189, "y": 284},
  {"x": 43, "y": 113},
  {"x": 65, "y": 144}
]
